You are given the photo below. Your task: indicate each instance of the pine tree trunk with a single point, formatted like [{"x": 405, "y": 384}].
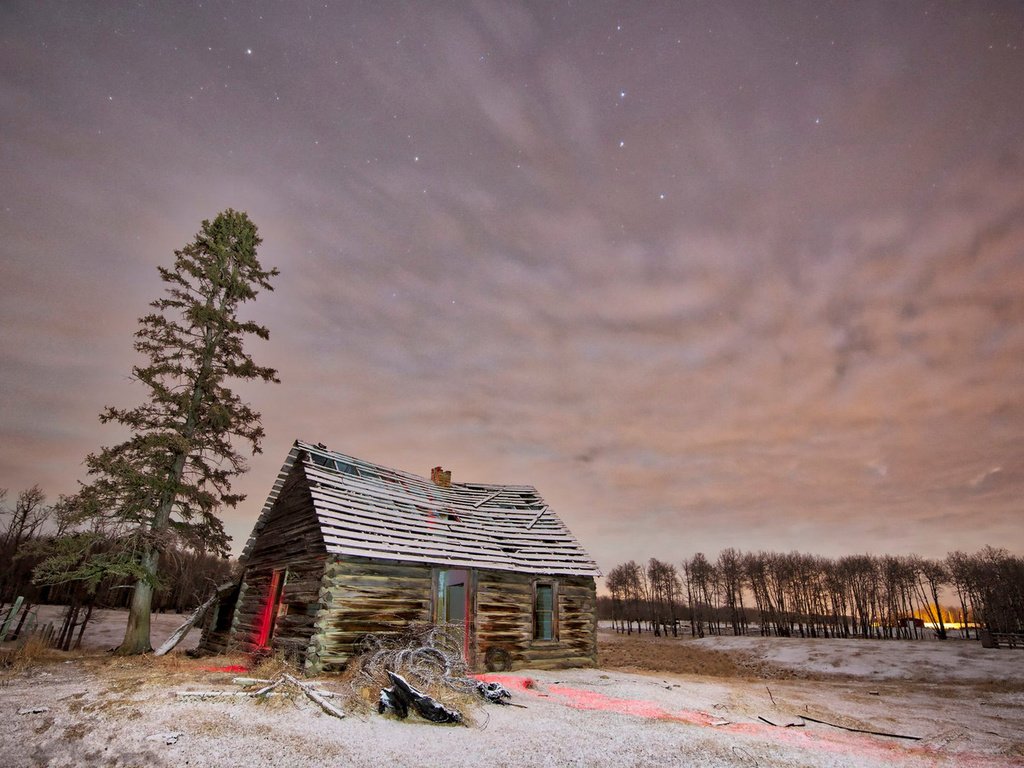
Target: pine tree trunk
[{"x": 136, "y": 634}]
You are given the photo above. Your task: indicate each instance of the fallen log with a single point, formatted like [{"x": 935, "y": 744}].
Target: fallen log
[
  {"x": 268, "y": 688},
  {"x": 179, "y": 634},
  {"x": 267, "y": 691},
  {"x": 318, "y": 697},
  {"x": 401, "y": 696}
]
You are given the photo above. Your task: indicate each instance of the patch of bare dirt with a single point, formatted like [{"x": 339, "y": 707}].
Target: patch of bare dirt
[{"x": 647, "y": 653}]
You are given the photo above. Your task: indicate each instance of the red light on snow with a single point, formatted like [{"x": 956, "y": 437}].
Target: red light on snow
[{"x": 511, "y": 682}]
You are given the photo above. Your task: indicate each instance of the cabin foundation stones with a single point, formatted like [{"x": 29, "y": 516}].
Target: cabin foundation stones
[{"x": 346, "y": 549}]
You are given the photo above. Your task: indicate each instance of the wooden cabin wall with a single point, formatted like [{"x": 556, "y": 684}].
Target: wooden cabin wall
[
  {"x": 504, "y": 620},
  {"x": 361, "y": 596},
  {"x": 290, "y": 539},
  {"x": 216, "y": 627}
]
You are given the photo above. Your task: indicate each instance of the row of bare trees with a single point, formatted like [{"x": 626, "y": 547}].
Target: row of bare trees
[
  {"x": 53, "y": 559},
  {"x": 796, "y": 594}
]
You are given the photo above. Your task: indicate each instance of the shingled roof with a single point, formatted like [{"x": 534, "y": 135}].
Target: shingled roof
[{"x": 368, "y": 510}]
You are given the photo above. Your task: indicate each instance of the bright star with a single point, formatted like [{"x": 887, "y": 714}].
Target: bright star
[
  {"x": 248, "y": 51},
  {"x": 622, "y": 144}
]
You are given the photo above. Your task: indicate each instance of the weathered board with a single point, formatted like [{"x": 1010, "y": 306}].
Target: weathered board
[
  {"x": 504, "y": 621},
  {"x": 362, "y": 596},
  {"x": 289, "y": 541}
]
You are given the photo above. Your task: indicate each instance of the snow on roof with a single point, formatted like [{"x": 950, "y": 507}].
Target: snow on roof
[{"x": 368, "y": 510}]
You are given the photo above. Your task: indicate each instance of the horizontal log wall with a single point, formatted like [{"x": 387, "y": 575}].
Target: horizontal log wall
[
  {"x": 289, "y": 539},
  {"x": 362, "y": 596},
  {"x": 504, "y": 620}
]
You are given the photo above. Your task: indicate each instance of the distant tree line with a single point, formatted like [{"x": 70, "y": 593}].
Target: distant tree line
[
  {"x": 57, "y": 555},
  {"x": 801, "y": 595}
]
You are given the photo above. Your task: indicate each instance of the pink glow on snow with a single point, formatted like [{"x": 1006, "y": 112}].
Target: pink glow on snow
[
  {"x": 592, "y": 700},
  {"x": 859, "y": 747},
  {"x": 511, "y": 682}
]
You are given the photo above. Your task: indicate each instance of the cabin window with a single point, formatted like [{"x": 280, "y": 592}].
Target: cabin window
[{"x": 545, "y": 617}]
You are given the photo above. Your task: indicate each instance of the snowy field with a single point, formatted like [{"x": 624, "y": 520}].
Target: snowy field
[{"x": 653, "y": 701}]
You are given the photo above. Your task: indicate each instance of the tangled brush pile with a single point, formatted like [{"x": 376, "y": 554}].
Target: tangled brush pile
[{"x": 430, "y": 657}]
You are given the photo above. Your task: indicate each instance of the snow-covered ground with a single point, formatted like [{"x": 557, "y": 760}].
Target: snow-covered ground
[
  {"x": 965, "y": 704},
  {"x": 105, "y": 629},
  {"x": 927, "y": 660}
]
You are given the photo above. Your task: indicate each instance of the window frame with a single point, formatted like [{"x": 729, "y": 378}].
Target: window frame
[{"x": 553, "y": 585}]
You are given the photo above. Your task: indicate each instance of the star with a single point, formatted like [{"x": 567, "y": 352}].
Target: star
[
  {"x": 622, "y": 144},
  {"x": 248, "y": 51},
  {"x": 661, "y": 196},
  {"x": 622, "y": 94}
]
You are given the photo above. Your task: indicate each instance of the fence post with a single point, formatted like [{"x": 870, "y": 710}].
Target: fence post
[{"x": 10, "y": 617}]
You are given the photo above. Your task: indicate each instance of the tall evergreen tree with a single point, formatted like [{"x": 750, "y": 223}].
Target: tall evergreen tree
[{"x": 164, "y": 485}]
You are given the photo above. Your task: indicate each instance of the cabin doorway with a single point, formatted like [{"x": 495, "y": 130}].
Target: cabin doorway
[
  {"x": 274, "y": 608},
  {"x": 453, "y": 604}
]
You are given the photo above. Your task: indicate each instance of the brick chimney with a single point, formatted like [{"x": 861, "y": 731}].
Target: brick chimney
[{"x": 441, "y": 477}]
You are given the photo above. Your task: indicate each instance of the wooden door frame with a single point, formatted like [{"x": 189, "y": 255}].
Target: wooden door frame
[
  {"x": 272, "y": 609},
  {"x": 469, "y": 620}
]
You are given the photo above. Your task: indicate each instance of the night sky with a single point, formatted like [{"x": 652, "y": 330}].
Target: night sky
[{"x": 707, "y": 275}]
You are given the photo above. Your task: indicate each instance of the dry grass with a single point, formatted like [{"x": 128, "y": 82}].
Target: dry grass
[
  {"x": 272, "y": 667},
  {"x": 647, "y": 653},
  {"x": 31, "y": 653}
]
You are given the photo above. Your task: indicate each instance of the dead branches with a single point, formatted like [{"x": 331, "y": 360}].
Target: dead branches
[
  {"x": 861, "y": 730},
  {"x": 423, "y": 669},
  {"x": 317, "y": 697},
  {"x": 272, "y": 687}
]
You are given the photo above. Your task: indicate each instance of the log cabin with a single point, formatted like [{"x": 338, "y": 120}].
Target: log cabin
[{"x": 344, "y": 548}]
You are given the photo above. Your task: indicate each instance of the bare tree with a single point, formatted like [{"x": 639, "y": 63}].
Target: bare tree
[
  {"x": 26, "y": 518},
  {"x": 730, "y": 569}
]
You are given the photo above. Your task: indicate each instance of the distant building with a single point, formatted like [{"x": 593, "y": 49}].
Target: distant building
[{"x": 344, "y": 548}]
